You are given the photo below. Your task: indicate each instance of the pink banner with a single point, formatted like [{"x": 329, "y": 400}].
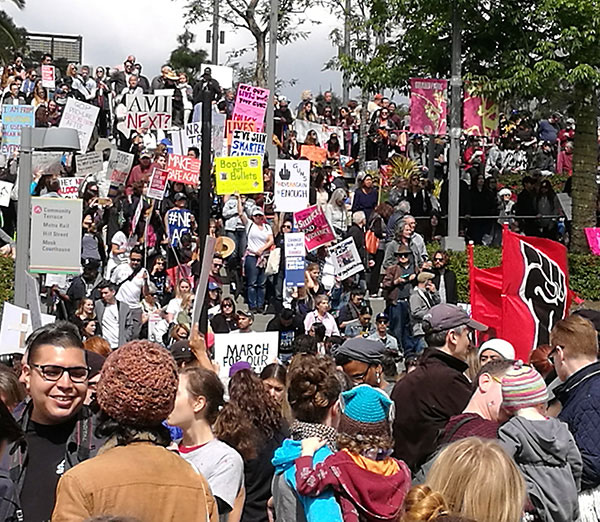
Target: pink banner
[
  {"x": 428, "y": 106},
  {"x": 593, "y": 238},
  {"x": 480, "y": 116},
  {"x": 315, "y": 226},
  {"x": 251, "y": 104},
  {"x": 184, "y": 169}
]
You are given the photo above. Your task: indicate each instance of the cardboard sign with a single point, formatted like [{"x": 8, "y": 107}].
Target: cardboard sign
[
  {"x": 48, "y": 77},
  {"x": 346, "y": 260},
  {"x": 89, "y": 163},
  {"x": 158, "y": 184},
  {"x": 184, "y": 169},
  {"x": 251, "y": 104},
  {"x": 80, "y": 116},
  {"x": 316, "y": 228},
  {"x": 14, "y": 118},
  {"x": 246, "y": 143},
  {"x": 55, "y": 235},
  {"x": 69, "y": 187},
  {"x": 148, "y": 111},
  {"x": 313, "y": 153},
  {"x": 292, "y": 182},
  {"x": 294, "y": 259},
  {"x": 119, "y": 166},
  {"x": 5, "y": 191},
  {"x": 257, "y": 348},
  {"x": 242, "y": 174}
]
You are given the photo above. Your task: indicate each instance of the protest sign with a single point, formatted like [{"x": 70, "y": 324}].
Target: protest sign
[
  {"x": 313, "y": 153},
  {"x": 5, "y": 191},
  {"x": 14, "y": 118},
  {"x": 193, "y": 134},
  {"x": 89, "y": 163},
  {"x": 179, "y": 222},
  {"x": 69, "y": 187},
  {"x": 232, "y": 125},
  {"x": 207, "y": 260},
  {"x": 16, "y": 327},
  {"x": 251, "y": 104},
  {"x": 45, "y": 163},
  {"x": 119, "y": 166},
  {"x": 314, "y": 224},
  {"x": 246, "y": 143},
  {"x": 221, "y": 73},
  {"x": 148, "y": 111},
  {"x": 157, "y": 184},
  {"x": 324, "y": 132},
  {"x": 258, "y": 349},
  {"x": 184, "y": 169},
  {"x": 55, "y": 235},
  {"x": 217, "y": 140},
  {"x": 80, "y": 116},
  {"x": 48, "y": 77},
  {"x": 242, "y": 174},
  {"x": 593, "y": 238},
  {"x": 294, "y": 259},
  {"x": 346, "y": 260},
  {"x": 292, "y": 180}
]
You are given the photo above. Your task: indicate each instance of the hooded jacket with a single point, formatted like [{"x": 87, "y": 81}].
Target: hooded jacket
[
  {"x": 550, "y": 462},
  {"x": 363, "y": 494}
]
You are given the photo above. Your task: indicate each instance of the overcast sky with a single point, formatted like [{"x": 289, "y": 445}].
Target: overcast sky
[{"x": 112, "y": 29}]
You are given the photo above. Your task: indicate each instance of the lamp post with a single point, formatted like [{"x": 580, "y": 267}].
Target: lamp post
[
  {"x": 54, "y": 139},
  {"x": 271, "y": 74}
]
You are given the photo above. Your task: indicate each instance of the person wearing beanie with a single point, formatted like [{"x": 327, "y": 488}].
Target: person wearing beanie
[
  {"x": 542, "y": 447},
  {"x": 134, "y": 474},
  {"x": 495, "y": 350},
  {"x": 368, "y": 483}
]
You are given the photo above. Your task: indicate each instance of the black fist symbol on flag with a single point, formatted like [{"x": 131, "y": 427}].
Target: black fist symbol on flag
[{"x": 544, "y": 290}]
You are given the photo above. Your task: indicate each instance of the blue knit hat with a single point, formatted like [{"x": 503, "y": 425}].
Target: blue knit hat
[{"x": 366, "y": 411}]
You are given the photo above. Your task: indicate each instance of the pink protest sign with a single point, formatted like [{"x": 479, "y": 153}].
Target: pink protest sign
[
  {"x": 428, "y": 106},
  {"x": 314, "y": 224},
  {"x": 480, "y": 115},
  {"x": 251, "y": 104},
  {"x": 593, "y": 238},
  {"x": 184, "y": 169}
]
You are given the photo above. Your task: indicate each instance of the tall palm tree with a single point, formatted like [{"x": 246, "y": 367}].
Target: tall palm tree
[{"x": 7, "y": 28}]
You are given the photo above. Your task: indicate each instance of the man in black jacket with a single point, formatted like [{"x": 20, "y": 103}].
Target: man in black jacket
[
  {"x": 445, "y": 279},
  {"x": 437, "y": 389}
]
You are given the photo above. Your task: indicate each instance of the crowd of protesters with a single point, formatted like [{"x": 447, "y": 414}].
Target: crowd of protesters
[{"x": 117, "y": 412}]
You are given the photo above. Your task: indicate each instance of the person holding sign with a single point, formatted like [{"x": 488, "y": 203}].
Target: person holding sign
[{"x": 259, "y": 242}]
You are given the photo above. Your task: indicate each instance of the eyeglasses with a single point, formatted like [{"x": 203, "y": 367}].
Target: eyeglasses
[
  {"x": 286, "y": 226},
  {"x": 53, "y": 373},
  {"x": 553, "y": 353},
  {"x": 359, "y": 378},
  {"x": 219, "y": 265}
]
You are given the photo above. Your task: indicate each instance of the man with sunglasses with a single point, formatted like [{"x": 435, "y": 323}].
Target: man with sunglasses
[
  {"x": 445, "y": 279},
  {"x": 58, "y": 427},
  {"x": 381, "y": 333}
]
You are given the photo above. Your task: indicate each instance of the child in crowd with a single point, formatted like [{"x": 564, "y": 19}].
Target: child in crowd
[
  {"x": 542, "y": 446},
  {"x": 368, "y": 483}
]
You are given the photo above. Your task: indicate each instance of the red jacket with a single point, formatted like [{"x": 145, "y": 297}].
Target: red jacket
[{"x": 361, "y": 493}]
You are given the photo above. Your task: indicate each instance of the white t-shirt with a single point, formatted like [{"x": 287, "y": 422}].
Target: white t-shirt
[
  {"x": 120, "y": 239},
  {"x": 110, "y": 325},
  {"x": 257, "y": 238},
  {"x": 174, "y": 307},
  {"x": 130, "y": 292}
]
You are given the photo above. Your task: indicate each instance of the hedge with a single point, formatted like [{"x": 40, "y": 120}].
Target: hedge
[
  {"x": 7, "y": 279},
  {"x": 584, "y": 270}
]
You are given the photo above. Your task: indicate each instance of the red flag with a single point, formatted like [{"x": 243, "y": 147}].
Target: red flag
[{"x": 535, "y": 283}]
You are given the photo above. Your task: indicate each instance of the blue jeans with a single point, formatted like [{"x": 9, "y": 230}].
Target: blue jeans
[
  {"x": 400, "y": 328},
  {"x": 255, "y": 282}
]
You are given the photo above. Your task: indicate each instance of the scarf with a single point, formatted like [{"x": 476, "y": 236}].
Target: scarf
[{"x": 300, "y": 430}]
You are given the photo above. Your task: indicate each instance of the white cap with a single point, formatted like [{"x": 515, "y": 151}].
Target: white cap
[
  {"x": 505, "y": 192},
  {"x": 500, "y": 346}
]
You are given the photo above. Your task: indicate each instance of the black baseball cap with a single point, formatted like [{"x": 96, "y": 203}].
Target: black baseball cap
[{"x": 447, "y": 316}]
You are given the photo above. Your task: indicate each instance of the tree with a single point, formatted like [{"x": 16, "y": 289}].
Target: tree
[
  {"x": 186, "y": 60},
  {"x": 12, "y": 38},
  {"x": 253, "y": 16},
  {"x": 511, "y": 48}
]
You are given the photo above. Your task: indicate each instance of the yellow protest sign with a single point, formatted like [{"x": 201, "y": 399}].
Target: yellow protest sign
[{"x": 242, "y": 174}]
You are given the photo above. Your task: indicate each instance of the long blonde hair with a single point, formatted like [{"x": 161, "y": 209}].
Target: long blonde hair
[
  {"x": 478, "y": 480},
  {"x": 421, "y": 504}
]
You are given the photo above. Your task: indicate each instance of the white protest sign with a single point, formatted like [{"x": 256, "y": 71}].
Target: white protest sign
[
  {"x": 43, "y": 163},
  {"x": 119, "y": 165},
  {"x": 294, "y": 259},
  {"x": 89, "y": 163},
  {"x": 346, "y": 260},
  {"x": 302, "y": 127},
  {"x": 69, "y": 187},
  {"x": 257, "y": 348},
  {"x": 55, "y": 235},
  {"x": 80, "y": 116},
  {"x": 221, "y": 73},
  {"x": 157, "y": 184},
  {"x": 292, "y": 181},
  {"x": 148, "y": 111},
  {"x": 16, "y": 326},
  {"x": 247, "y": 143},
  {"x": 48, "y": 77},
  {"x": 193, "y": 134},
  {"x": 5, "y": 191}
]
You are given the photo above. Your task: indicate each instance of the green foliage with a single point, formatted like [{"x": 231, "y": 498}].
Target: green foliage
[
  {"x": 12, "y": 38},
  {"x": 186, "y": 60},
  {"x": 7, "y": 279},
  {"x": 583, "y": 270}
]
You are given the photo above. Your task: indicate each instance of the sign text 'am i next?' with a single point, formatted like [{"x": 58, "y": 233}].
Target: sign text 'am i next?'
[{"x": 148, "y": 111}]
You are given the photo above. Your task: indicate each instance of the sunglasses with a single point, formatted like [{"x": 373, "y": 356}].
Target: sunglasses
[
  {"x": 227, "y": 305},
  {"x": 286, "y": 226},
  {"x": 553, "y": 353},
  {"x": 382, "y": 321},
  {"x": 438, "y": 259}
]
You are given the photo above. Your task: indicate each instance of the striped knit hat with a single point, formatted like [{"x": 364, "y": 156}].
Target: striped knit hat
[
  {"x": 523, "y": 387},
  {"x": 366, "y": 411}
]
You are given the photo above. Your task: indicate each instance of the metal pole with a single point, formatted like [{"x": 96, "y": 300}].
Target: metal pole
[
  {"x": 273, "y": 22},
  {"x": 345, "y": 79},
  {"x": 205, "y": 186},
  {"x": 453, "y": 241},
  {"x": 215, "y": 34},
  {"x": 23, "y": 217}
]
